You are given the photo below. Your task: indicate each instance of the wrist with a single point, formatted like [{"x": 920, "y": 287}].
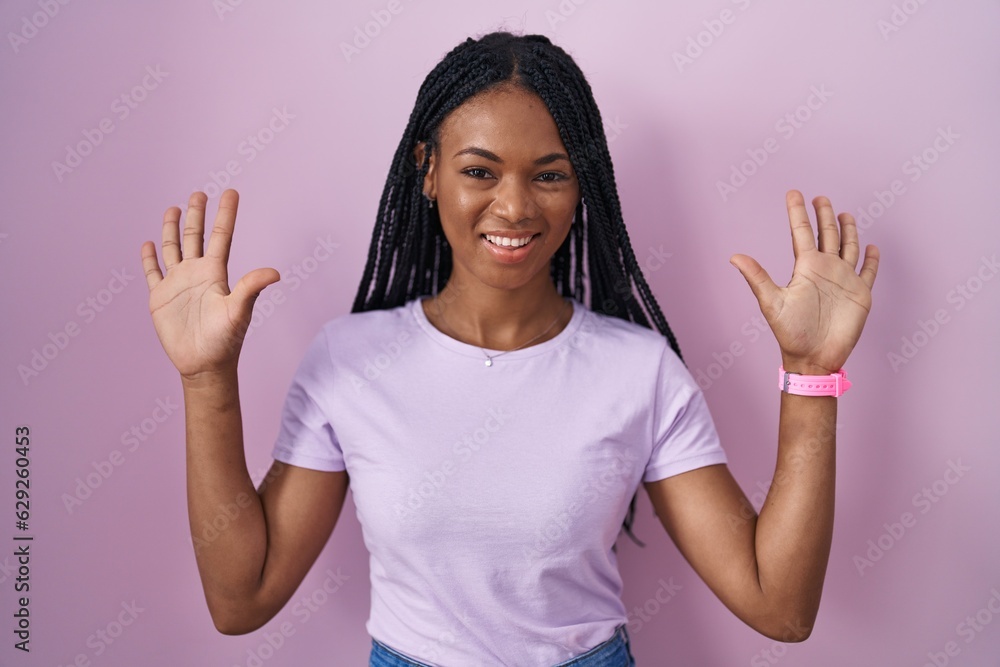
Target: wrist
[
  {"x": 209, "y": 378},
  {"x": 802, "y": 367}
]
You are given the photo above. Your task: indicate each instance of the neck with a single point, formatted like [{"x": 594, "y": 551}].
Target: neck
[{"x": 498, "y": 319}]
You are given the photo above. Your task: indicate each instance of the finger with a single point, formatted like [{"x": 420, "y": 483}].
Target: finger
[
  {"x": 760, "y": 282},
  {"x": 194, "y": 225},
  {"x": 870, "y": 266},
  {"x": 249, "y": 287},
  {"x": 826, "y": 222},
  {"x": 222, "y": 232},
  {"x": 798, "y": 219},
  {"x": 171, "y": 237},
  {"x": 849, "y": 247},
  {"x": 149, "y": 264}
]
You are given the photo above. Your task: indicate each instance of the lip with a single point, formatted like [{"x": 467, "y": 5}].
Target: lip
[
  {"x": 510, "y": 235},
  {"x": 509, "y": 255}
]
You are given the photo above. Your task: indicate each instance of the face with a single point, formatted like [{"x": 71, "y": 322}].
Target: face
[{"x": 501, "y": 175}]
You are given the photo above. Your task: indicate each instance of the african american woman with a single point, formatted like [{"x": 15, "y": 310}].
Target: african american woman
[{"x": 503, "y": 383}]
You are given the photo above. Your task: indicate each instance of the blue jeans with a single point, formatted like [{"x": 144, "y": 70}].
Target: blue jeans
[{"x": 615, "y": 652}]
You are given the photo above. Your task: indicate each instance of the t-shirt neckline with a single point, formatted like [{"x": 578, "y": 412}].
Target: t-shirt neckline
[{"x": 475, "y": 351}]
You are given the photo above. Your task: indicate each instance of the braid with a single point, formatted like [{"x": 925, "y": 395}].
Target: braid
[{"x": 409, "y": 255}]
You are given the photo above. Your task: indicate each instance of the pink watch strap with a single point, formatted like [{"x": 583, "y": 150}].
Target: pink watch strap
[{"x": 834, "y": 384}]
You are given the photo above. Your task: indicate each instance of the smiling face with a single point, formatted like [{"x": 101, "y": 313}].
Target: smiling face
[{"x": 501, "y": 176}]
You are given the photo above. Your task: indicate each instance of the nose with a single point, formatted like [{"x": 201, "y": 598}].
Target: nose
[{"x": 514, "y": 202}]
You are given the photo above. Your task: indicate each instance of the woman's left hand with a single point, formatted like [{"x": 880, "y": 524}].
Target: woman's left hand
[{"x": 818, "y": 317}]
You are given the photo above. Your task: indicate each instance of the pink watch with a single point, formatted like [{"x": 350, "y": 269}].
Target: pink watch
[{"x": 834, "y": 384}]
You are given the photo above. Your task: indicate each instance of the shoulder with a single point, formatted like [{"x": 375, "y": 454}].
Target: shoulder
[
  {"x": 621, "y": 348},
  {"x": 370, "y": 320},
  {"x": 627, "y": 338},
  {"x": 647, "y": 357},
  {"x": 636, "y": 364},
  {"x": 350, "y": 332}
]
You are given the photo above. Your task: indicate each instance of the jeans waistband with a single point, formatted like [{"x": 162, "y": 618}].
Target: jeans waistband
[{"x": 613, "y": 652}]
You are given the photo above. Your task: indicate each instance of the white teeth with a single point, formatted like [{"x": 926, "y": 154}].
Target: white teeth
[{"x": 505, "y": 241}]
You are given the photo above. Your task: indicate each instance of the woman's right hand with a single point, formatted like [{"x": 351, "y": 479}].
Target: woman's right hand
[{"x": 201, "y": 325}]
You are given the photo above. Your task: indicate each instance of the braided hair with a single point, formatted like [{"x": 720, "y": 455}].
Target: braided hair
[{"x": 409, "y": 255}]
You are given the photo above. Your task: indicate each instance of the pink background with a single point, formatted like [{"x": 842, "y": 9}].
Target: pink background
[{"x": 675, "y": 133}]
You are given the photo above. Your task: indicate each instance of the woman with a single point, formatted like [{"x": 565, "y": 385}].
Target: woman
[{"x": 493, "y": 427}]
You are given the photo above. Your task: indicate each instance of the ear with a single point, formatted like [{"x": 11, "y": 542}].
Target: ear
[{"x": 418, "y": 155}]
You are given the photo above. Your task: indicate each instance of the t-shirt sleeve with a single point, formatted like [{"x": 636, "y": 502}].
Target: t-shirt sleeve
[
  {"x": 305, "y": 436},
  {"x": 684, "y": 434}
]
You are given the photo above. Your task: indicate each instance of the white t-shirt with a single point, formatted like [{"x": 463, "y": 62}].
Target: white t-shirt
[{"x": 490, "y": 497}]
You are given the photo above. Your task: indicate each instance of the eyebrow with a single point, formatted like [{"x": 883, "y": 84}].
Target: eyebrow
[{"x": 489, "y": 155}]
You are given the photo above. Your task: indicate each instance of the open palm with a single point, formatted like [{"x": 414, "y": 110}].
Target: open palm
[
  {"x": 199, "y": 322},
  {"x": 818, "y": 317}
]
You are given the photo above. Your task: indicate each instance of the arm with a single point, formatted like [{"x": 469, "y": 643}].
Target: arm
[
  {"x": 253, "y": 548},
  {"x": 769, "y": 569}
]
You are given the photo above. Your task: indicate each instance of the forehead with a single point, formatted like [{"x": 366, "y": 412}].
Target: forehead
[{"x": 503, "y": 117}]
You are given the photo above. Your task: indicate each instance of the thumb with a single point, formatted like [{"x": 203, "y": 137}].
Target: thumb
[
  {"x": 760, "y": 282},
  {"x": 249, "y": 287}
]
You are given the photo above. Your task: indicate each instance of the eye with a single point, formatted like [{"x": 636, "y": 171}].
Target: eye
[
  {"x": 556, "y": 176},
  {"x": 474, "y": 172}
]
